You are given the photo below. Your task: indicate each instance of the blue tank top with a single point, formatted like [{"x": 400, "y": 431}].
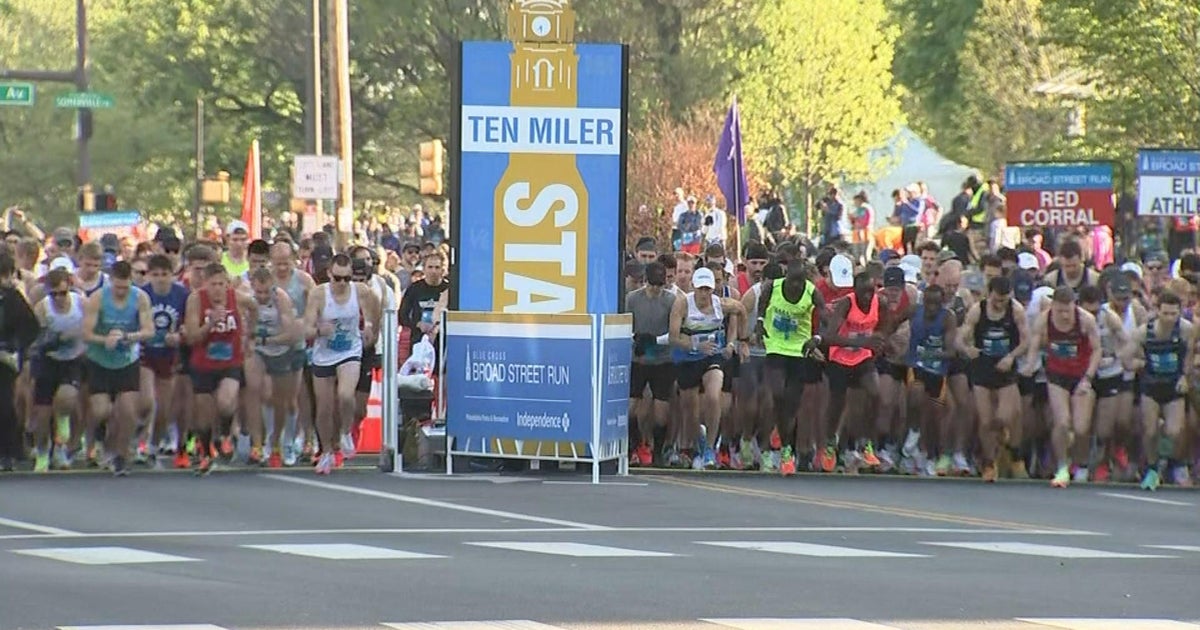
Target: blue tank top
[
  {"x": 926, "y": 341},
  {"x": 167, "y": 312},
  {"x": 112, "y": 317}
]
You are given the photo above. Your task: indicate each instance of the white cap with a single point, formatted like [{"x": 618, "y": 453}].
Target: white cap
[
  {"x": 1027, "y": 261},
  {"x": 703, "y": 278},
  {"x": 911, "y": 264},
  {"x": 62, "y": 262},
  {"x": 1134, "y": 267},
  {"x": 236, "y": 225},
  {"x": 730, "y": 267},
  {"x": 841, "y": 270},
  {"x": 1041, "y": 296}
]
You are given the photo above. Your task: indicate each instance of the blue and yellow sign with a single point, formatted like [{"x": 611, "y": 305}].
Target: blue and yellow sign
[{"x": 539, "y": 215}]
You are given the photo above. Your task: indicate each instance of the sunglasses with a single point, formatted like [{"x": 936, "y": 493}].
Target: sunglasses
[
  {"x": 1154, "y": 267},
  {"x": 59, "y": 293},
  {"x": 141, "y": 271},
  {"x": 333, "y": 278}
]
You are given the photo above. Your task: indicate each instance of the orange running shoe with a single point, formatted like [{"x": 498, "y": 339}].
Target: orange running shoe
[
  {"x": 338, "y": 459},
  {"x": 256, "y": 456},
  {"x": 776, "y": 442},
  {"x": 1121, "y": 458},
  {"x": 829, "y": 460},
  {"x": 227, "y": 446},
  {"x": 182, "y": 460},
  {"x": 1102, "y": 474},
  {"x": 275, "y": 460},
  {"x": 644, "y": 456},
  {"x": 869, "y": 458}
]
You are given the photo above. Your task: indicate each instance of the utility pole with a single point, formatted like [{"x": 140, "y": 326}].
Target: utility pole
[
  {"x": 199, "y": 201},
  {"x": 345, "y": 211},
  {"x": 79, "y": 78},
  {"x": 313, "y": 83}
]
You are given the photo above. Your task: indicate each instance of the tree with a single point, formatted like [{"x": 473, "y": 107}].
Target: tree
[
  {"x": 817, "y": 95},
  {"x": 1145, "y": 59}
]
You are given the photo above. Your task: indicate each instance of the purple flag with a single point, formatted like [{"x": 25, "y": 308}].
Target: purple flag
[{"x": 729, "y": 167}]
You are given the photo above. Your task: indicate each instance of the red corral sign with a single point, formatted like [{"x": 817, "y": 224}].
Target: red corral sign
[{"x": 1059, "y": 195}]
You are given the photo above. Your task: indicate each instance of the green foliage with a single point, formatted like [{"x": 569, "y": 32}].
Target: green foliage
[{"x": 817, "y": 94}]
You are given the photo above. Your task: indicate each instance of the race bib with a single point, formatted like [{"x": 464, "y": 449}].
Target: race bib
[
  {"x": 219, "y": 351},
  {"x": 340, "y": 342},
  {"x": 996, "y": 347},
  {"x": 784, "y": 324},
  {"x": 1165, "y": 363},
  {"x": 1064, "y": 349},
  {"x": 427, "y": 316}
]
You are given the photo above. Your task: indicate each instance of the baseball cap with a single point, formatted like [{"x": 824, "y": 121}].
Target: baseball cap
[
  {"x": 411, "y": 246},
  {"x": 973, "y": 281},
  {"x": 64, "y": 235},
  {"x": 945, "y": 255},
  {"x": 647, "y": 244},
  {"x": 703, "y": 278},
  {"x": 887, "y": 255},
  {"x": 165, "y": 233},
  {"x": 110, "y": 243},
  {"x": 911, "y": 264},
  {"x": 1022, "y": 282},
  {"x": 236, "y": 225},
  {"x": 1119, "y": 285},
  {"x": 893, "y": 277},
  {"x": 841, "y": 270},
  {"x": 1027, "y": 261},
  {"x": 1132, "y": 267},
  {"x": 62, "y": 262}
]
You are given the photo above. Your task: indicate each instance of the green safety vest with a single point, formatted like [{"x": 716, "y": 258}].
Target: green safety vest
[
  {"x": 978, "y": 213},
  {"x": 788, "y": 325}
]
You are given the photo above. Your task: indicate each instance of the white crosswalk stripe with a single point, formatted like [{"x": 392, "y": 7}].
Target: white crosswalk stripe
[
  {"x": 186, "y": 626},
  {"x": 517, "y": 624},
  {"x": 343, "y": 552},
  {"x": 1194, "y": 548},
  {"x": 1049, "y": 551},
  {"x": 799, "y": 624},
  {"x": 809, "y": 549},
  {"x": 102, "y": 555},
  {"x": 1112, "y": 624},
  {"x": 577, "y": 550}
]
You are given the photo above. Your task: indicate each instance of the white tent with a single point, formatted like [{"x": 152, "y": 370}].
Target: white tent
[{"x": 912, "y": 161}]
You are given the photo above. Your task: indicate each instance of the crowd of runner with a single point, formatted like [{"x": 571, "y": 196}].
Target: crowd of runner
[
  {"x": 804, "y": 359},
  {"x": 187, "y": 354}
]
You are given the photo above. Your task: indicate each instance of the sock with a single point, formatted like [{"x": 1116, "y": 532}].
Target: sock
[{"x": 269, "y": 425}]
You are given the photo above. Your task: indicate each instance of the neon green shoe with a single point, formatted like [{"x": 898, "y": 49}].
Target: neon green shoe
[
  {"x": 1062, "y": 478},
  {"x": 191, "y": 446},
  {"x": 942, "y": 468},
  {"x": 41, "y": 463}
]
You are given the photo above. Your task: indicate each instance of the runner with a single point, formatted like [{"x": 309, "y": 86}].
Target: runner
[
  {"x": 998, "y": 336},
  {"x": 1110, "y": 384},
  {"x": 787, "y": 310},
  {"x": 298, "y": 414},
  {"x": 931, "y": 341},
  {"x": 216, "y": 327},
  {"x": 1164, "y": 349},
  {"x": 160, "y": 361},
  {"x": 892, "y": 365},
  {"x": 1071, "y": 272},
  {"x": 59, "y": 371},
  {"x": 273, "y": 366},
  {"x": 234, "y": 260},
  {"x": 1072, "y": 342},
  {"x": 117, "y": 319},
  {"x": 364, "y": 268},
  {"x": 331, "y": 321},
  {"x": 89, "y": 278},
  {"x": 699, "y": 332},
  {"x": 652, "y": 368}
]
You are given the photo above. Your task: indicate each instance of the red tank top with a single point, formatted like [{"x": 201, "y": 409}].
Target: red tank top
[
  {"x": 1068, "y": 352},
  {"x": 857, "y": 324},
  {"x": 222, "y": 347}
]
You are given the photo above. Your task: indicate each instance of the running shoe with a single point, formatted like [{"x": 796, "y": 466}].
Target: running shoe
[
  {"x": 724, "y": 462},
  {"x": 1018, "y": 470},
  {"x": 989, "y": 473},
  {"x": 325, "y": 464},
  {"x": 769, "y": 459},
  {"x": 255, "y": 458},
  {"x": 61, "y": 459},
  {"x": 1062, "y": 478},
  {"x": 207, "y": 464},
  {"x": 41, "y": 462},
  {"x": 645, "y": 455},
  {"x": 119, "y": 467},
  {"x": 275, "y": 461},
  {"x": 869, "y": 459},
  {"x": 776, "y": 442},
  {"x": 142, "y": 455},
  {"x": 674, "y": 459},
  {"x": 182, "y": 460},
  {"x": 227, "y": 447},
  {"x": 1081, "y": 475},
  {"x": 829, "y": 459},
  {"x": 929, "y": 469},
  {"x": 912, "y": 443},
  {"x": 190, "y": 447},
  {"x": 1121, "y": 458},
  {"x": 1102, "y": 474},
  {"x": 887, "y": 459},
  {"x": 348, "y": 449},
  {"x": 709, "y": 459},
  {"x": 851, "y": 461},
  {"x": 787, "y": 462},
  {"x": 1182, "y": 476},
  {"x": 1151, "y": 481},
  {"x": 338, "y": 459},
  {"x": 735, "y": 460},
  {"x": 961, "y": 465},
  {"x": 942, "y": 468},
  {"x": 747, "y": 453},
  {"x": 291, "y": 455}
]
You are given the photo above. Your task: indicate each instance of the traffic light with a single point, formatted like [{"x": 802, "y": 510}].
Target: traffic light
[
  {"x": 106, "y": 202},
  {"x": 433, "y": 159},
  {"x": 87, "y": 201}
]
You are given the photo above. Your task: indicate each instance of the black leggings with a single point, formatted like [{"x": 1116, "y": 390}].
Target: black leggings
[
  {"x": 11, "y": 441},
  {"x": 908, "y": 238}
]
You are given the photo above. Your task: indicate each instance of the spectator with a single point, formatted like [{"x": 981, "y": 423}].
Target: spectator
[
  {"x": 1033, "y": 243},
  {"x": 715, "y": 222},
  {"x": 862, "y": 218},
  {"x": 689, "y": 225},
  {"x": 832, "y": 217}
]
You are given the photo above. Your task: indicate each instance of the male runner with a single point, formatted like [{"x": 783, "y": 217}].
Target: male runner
[
  {"x": 1072, "y": 342},
  {"x": 1166, "y": 348},
  {"x": 651, "y": 308},
  {"x": 997, "y": 337},
  {"x": 237, "y": 237},
  {"x": 273, "y": 366},
  {"x": 754, "y": 418},
  {"x": 331, "y": 321},
  {"x": 160, "y": 361},
  {"x": 931, "y": 341},
  {"x": 892, "y": 365},
  {"x": 88, "y": 277},
  {"x": 1110, "y": 383},
  {"x": 787, "y": 312},
  {"x": 299, "y": 412},
  {"x": 59, "y": 370},
  {"x": 117, "y": 319},
  {"x": 1071, "y": 272},
  {"x": 364, "y": 269},
  {"x": 699, "y": 332},
  {"x": 216, "y": 325}
]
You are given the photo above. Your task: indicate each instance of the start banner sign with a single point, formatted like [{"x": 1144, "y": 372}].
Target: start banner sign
[
  {"x": 1168, "y": 183},
  {"x": 1059, "y": 195}
]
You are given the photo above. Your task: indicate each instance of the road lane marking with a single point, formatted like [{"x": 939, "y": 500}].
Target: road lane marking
[
  {"x": 1049, "y": 551},
  {"x": 389, "y": 531},
  {"x": 573, "y": 549},
  {"x": 103, "y": 555},
  {"x": 343, "y": 552},
  {"x": 187, "y": 626},
  {"x": 1134, "y": 497},
  {"x": 34, "y": 527},
  {"x": 1112, "y": 624},
  {"x": 799, "y": 624},
  {"x": 402, "y": 498},
  {"x": 602, "y": 483},
  {"x": 855, "y": 506},
  {"x": 1193, "y": 548},
  {"x": 512, "y": 624},
  {"x": 810, "y": 549}
]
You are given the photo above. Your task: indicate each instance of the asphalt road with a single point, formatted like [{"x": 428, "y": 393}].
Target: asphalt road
[{"x": 249, "y": 550}]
